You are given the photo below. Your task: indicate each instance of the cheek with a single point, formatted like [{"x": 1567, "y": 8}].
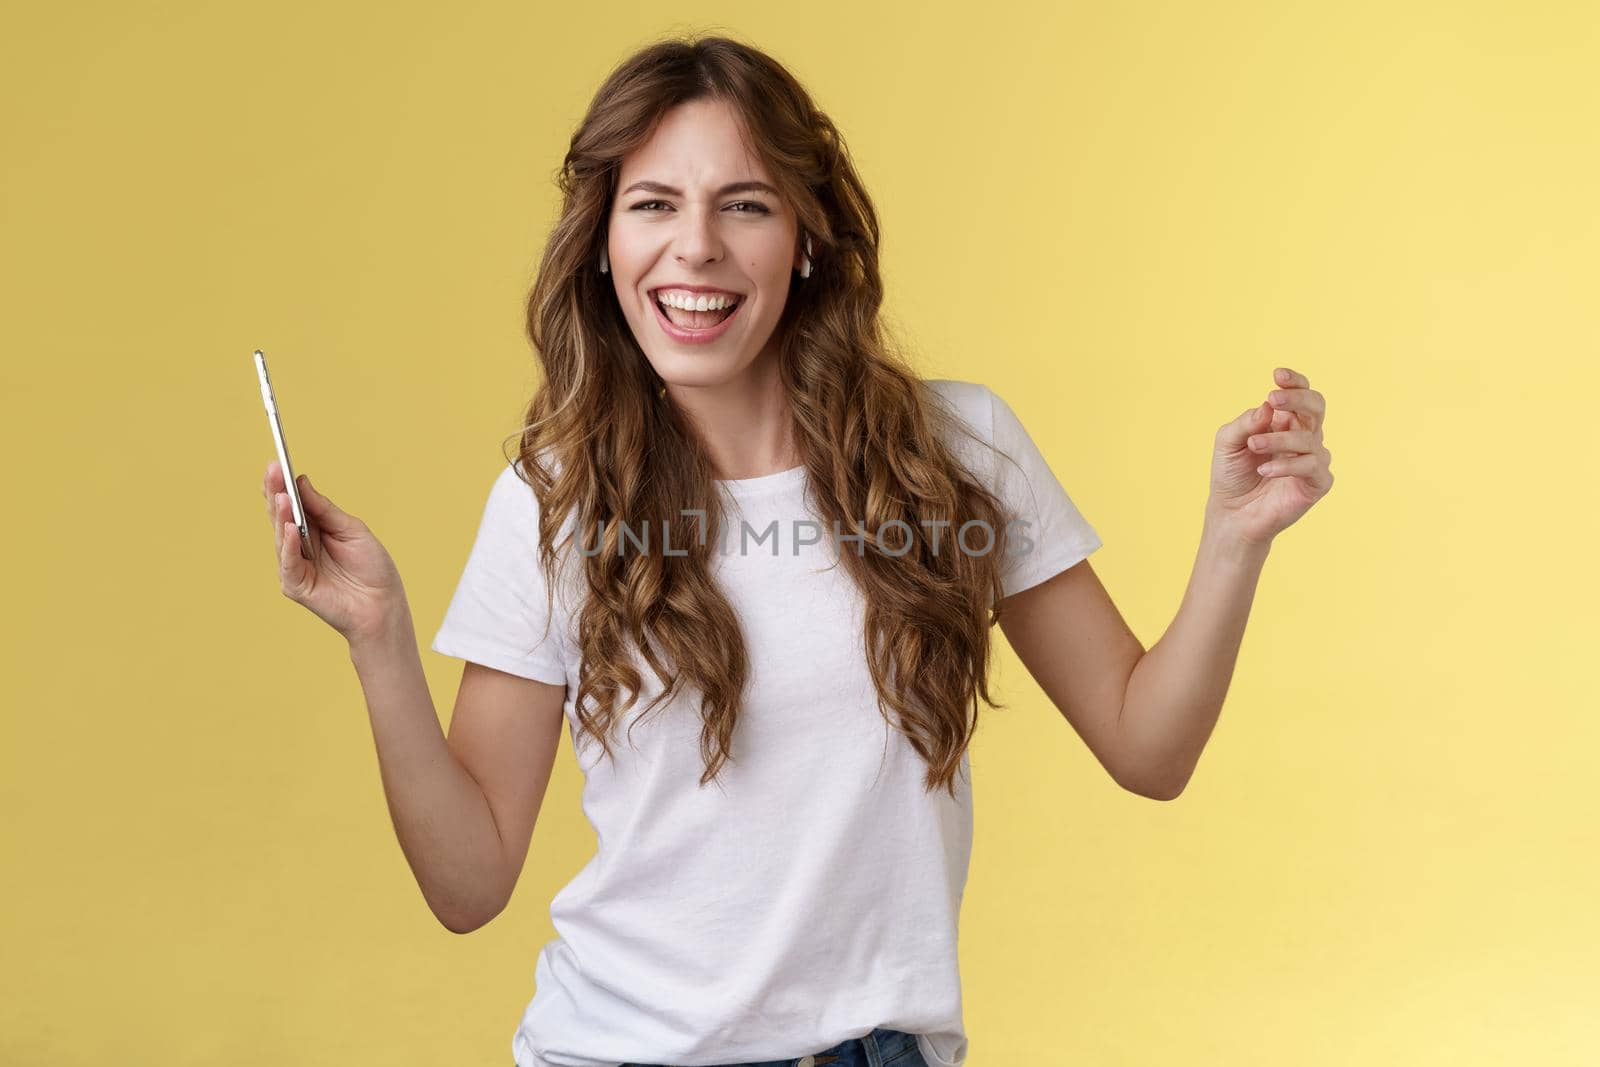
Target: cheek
[
  {"x": 771, "y": 270},
  {"x": 626, "y": 250}
]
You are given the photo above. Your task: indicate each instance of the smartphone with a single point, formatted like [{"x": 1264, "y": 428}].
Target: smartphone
[{"x": 283, "y": 456}]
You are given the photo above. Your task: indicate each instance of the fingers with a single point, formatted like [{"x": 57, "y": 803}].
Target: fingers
[
  {"x": 271, "y": 488},
  {"x": 1309, "y": 408},
  {"x": 1232, "y": 435},
  {"x": 1309, "y": 404},
  {"x": 1313, "y": 468},
  {"x": 273, "y": 515},
  {"x": 291, "y": 567},
  {"x": 279, "y": 510},
  {"x": 1283, "y": 441},
  {"x": 332, "y": 520},
  {"x": 272, "y": 481},
  {"x": 1308, "y": 401},
  {"x": 1301, "y": 465},
  {"x": 283, "y": 519}
]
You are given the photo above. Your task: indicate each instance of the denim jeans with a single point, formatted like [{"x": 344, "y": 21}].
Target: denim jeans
[{"x": 881, "y": 1048}]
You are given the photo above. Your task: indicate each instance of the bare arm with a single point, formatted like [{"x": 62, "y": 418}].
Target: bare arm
[
  {"x": 1146, "y": 715},
  {"x": 505, "y": 731},
  {"x": 1075, "y": 644},
  {"x": 463, "y": 808},
  {"x": 1175, "y": 694}
]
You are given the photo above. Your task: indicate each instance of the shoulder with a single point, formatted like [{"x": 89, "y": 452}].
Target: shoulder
[
  {"x": 971, "y": 403},
  {"x": 513, "y": 493},
  {"x": 973, "y": 406},
  {"x": 512, "y": 508},
  {"x": 512, "y": 533},
  {"x": 985, "y": 413}
]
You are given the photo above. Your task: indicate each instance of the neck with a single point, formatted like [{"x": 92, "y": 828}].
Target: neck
[{"x": 744, "y": 424}]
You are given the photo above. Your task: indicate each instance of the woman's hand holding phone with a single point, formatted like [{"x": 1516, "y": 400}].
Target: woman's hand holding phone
[{"x": 351, "y": 583}]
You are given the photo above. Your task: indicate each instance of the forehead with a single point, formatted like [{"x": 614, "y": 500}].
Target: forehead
[{"x": 696, "y": 144}]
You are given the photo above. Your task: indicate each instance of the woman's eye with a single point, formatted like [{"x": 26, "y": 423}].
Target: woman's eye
[{"x": 755, "y": 207}]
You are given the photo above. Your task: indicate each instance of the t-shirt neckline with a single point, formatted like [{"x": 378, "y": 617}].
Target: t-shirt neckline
[{"x": 743, "y": 486}]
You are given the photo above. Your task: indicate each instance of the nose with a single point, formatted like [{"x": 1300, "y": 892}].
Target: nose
[{"x": 698, "y": 240}]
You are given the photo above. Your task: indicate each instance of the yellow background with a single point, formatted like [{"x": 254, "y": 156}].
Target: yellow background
[{"x": 1121, "y": 217}]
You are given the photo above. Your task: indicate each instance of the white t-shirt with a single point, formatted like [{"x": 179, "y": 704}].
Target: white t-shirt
[{"x": 812, "y": 892}]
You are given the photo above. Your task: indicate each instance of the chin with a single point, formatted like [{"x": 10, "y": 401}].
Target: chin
[{"x": 689, "y": 371}]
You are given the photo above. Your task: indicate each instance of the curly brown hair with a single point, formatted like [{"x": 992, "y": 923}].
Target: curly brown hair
[{"x": 602, "y": 439}]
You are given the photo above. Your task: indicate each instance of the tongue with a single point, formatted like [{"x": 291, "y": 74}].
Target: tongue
[{"x": 696, "y": 320}]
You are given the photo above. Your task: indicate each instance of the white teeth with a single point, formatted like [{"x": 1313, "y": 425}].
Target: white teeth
[{"x": 702, "y": 302}]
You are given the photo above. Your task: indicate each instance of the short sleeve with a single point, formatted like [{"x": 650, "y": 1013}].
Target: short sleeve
[
  {"x": 498, "y": 616},
  {"x": 1048, "y": 533}
]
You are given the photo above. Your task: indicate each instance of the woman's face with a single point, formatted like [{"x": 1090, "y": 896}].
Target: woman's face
[{"x": 684, "y": 218}]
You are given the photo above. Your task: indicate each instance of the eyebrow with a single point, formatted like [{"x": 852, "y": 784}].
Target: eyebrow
[{"x": 726, "y": 190}]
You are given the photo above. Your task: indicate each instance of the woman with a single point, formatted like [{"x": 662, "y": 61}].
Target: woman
[{"x": 738, "y": 520}]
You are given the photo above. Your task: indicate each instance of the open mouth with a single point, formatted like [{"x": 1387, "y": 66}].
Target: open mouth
[{"x": 695, "y": 325}]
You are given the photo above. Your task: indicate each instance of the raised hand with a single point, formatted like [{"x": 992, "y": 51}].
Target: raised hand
[
  {"x": 1270, "y": 464},
  {"x": 350, "y": 582}
]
